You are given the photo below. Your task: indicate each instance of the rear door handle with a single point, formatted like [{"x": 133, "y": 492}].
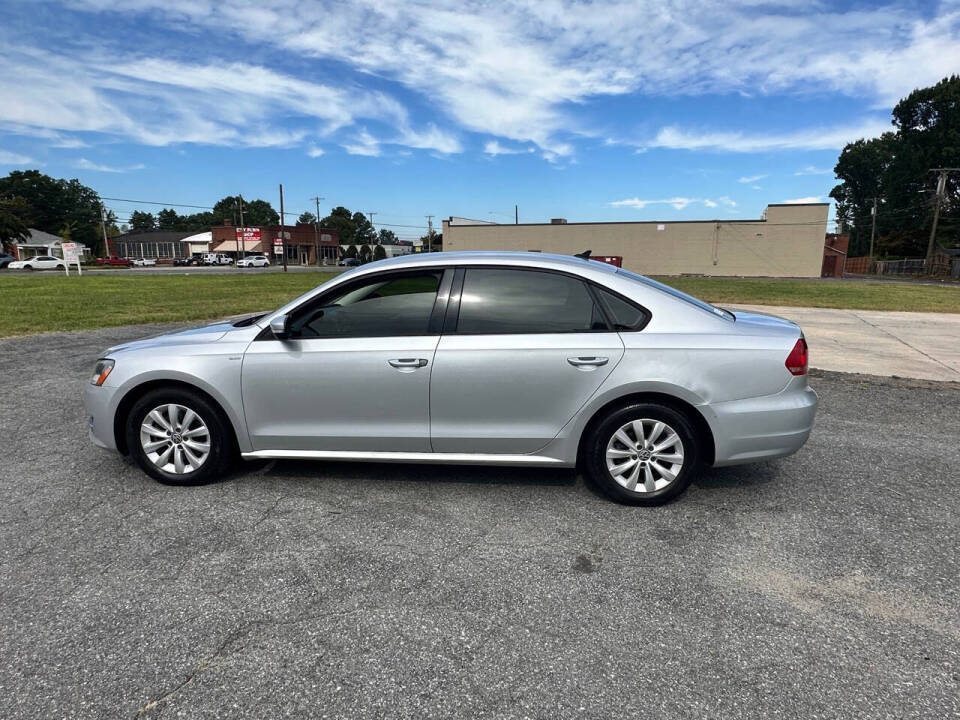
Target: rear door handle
[
  {"x": 408, "y": 363},
  {"x": 588, "y": 362}
]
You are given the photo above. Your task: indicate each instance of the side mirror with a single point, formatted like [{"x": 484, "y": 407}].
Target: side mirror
[{"x": 280, "y": 326}]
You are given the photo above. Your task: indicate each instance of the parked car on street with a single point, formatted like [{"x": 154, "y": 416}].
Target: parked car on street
[
  {"x": 217, "y": 259},
  {"x": 144, "y": 262},
  {"x": 349, "y": 262},
  {"x": 6, "y": 259},
  {"x": 40, "y": 262},
  {"x": 497, "y": 358},
  {"x": 115, "y": 261},
  {"x": 253, "y": 261},
  {"x": 192, "y": 260}
]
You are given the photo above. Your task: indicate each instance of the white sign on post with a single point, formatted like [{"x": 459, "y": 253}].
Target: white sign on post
[{"x": 70, "y": 255}]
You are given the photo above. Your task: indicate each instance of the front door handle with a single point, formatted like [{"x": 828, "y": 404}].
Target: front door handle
[
  {"x": 588, "y": 362},
  {"x": 408, "y": 363}
]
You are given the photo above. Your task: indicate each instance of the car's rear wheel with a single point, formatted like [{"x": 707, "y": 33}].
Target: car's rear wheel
[
  {"x": 643, "y": 454},
  {"x": 178, "y": 437}
]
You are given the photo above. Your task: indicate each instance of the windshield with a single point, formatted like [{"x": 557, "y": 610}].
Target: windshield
[{"x": 677, "y": 294}]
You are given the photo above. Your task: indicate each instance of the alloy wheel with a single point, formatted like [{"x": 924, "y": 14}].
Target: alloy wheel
[
  {"x": 645, "y": 455},
  {"x": 175, "y": 439}
]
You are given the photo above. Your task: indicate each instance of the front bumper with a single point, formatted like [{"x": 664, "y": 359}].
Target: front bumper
[
  {"x": 765, "y": 427},
  {"x": 99, "y": 410}
]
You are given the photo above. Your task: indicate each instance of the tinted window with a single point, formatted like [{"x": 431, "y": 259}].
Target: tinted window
[
  {"x": 625, "y": 315},
  {"x": 523, "y": 301},
  {"x": 378, "y": 307}
]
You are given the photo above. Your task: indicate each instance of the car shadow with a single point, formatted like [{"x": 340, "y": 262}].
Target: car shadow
[{"x": 752, "y": 475}]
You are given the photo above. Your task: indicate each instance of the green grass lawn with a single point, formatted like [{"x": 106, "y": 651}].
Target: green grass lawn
[{"x": 50, "y": 301}]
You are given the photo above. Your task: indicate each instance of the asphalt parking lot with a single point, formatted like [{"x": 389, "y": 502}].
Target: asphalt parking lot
[{"x": 824, "y": 585}]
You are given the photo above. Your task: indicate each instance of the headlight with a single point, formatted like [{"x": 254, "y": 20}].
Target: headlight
[{"x": 101, "y": 371}]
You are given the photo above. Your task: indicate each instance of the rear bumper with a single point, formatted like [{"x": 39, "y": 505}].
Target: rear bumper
[{"x": 765, "y": 427}]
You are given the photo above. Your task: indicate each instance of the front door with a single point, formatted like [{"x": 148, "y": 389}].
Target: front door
[
  {"x": 354, "y": 374},
  {"x": 527, "y": 350}
]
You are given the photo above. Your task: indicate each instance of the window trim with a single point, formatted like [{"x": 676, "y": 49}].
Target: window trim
[
  {"x": 647, "y": 315},
  {"x": 452, "y": 322},
  {"x": 434, "y": 323}
]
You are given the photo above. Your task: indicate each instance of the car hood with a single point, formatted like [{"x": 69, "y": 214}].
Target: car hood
[
  {"x": 754, "y": 321},
  {"x": 192, "y": 336}
]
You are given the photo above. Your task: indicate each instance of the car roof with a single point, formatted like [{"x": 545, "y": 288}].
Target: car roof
[{"x": 491, "y": 257}]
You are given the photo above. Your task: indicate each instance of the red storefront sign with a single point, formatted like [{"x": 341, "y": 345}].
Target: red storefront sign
[{"x": 248, "y": 235}]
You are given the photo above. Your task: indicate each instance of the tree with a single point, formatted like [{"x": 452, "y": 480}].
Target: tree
[
  {"x": 256, "y": 213},
  {"x": 365, "y": 231},
  {"x": 341, "y": 220},
  {"x": 307, "y": 218},
  {"x": 142, "y": 221},
  {"x": 432, "y": 241},
  {"x": 364, "y": 253},
  {"x": 168, "y": 219},
  {"x": 54, "y": 202},
  {"x": 379, "y": 253},
  {"x": 14, "y": 221},
  {"x": 386, "y": 237},
  {"x": 895, "y": 168}
]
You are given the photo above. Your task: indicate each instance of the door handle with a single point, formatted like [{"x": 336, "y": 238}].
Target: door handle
[
  {"x": 408, "y": 363},
  {"x": 588, "y": 362}
]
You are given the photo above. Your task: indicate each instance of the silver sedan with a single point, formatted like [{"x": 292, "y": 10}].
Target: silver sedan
[{"x": 520, "y": 359}]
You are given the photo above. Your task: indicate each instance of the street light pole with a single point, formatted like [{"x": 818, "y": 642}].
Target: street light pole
[{"x": 283, "y": 235}]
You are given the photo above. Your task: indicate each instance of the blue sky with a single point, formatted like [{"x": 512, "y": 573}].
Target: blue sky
[{"x": 584, "y": 110}]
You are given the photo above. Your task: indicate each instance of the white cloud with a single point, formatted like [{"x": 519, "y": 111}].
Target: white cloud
[
  {"x": 825, "y": 138},
  {"x": 678, "y": 203},
  {"x": 12, "y": 158},
  {"x": 160, "y": 102},
  {"x": 363, "y": 143},
  {"x": 314, "y": 151},
  {"x": 802, "y": 200},
  {"x": 811, "y": 170},
  {"x": 494, "y": 148},
  {"x": 85, "y": 164},
  {"x": 516, "y": 71},
  {"x": 749, "y": 179}
]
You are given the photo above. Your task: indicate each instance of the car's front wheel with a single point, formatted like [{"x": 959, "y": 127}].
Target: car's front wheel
[
  {"x": 643, "y": 454},
  {"x": 179, "y": 437}
]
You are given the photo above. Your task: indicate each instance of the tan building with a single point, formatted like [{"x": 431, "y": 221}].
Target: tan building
[{"x": 787, "y": 241}]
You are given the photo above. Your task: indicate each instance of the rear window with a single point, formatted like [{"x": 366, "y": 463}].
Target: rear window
[{"x": 673, "y": 292}]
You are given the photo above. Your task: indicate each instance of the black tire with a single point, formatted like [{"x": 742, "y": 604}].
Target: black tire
[
  {"x": 28, "y": 267},
  {"x": 221, "y": 440},
  {"x": 595, "y": 453}
]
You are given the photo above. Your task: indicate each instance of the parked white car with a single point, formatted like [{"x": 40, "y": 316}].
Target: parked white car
[
  {"x": 254, "y": 261},
  {"x": 144, "y": 262},
  {"x": 40, "y": 262}
]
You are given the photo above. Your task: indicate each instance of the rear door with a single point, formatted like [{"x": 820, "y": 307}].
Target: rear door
[{"x": 521, "y": 353}]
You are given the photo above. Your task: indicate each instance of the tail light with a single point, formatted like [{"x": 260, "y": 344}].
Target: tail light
[{"x": 796, "y": 361}]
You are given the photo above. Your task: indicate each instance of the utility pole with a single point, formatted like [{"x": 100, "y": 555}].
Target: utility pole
[
  {"x": 239, "y": 232},
  {"x": 516, "y": 215},
  {"x": 283, "y": 234},
  {"x": 429, "y": 232},
  {"x": 103, "y": 226},
  {"x": 941, "y": 191},
  {"x": 873, "y": 227},
  {"x": 316, "y": 230}
]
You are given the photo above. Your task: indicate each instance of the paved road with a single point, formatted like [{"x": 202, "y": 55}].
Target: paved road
[
  {"x": 824, "y": 585},
  {"x": 175, "y": 270},
  {"x": 921, "y": 345}
]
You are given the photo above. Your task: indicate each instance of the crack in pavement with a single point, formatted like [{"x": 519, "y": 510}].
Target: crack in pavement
[{"x": 905, "y": 343}]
